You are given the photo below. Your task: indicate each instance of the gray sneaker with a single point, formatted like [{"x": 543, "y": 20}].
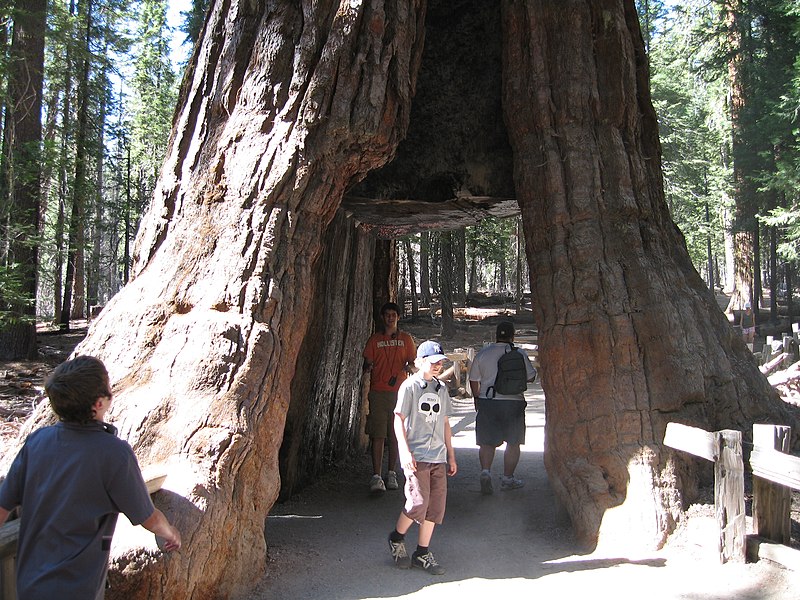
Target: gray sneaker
[
  {"x": 486, "y": 484},
  {"x": 391, "y": 481},
  {"x": 428, "y": 563},
  {"x": 511, "y": 483},
  {"x": 376, "y": 484},
  {"x": 399, "y": 554}
]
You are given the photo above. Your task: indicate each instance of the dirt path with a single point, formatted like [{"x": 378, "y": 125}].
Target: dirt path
[{"x": 330, "y": 542}]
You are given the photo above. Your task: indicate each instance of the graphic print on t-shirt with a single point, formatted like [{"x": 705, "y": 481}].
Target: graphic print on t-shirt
[{"x": 430, "y": 406}]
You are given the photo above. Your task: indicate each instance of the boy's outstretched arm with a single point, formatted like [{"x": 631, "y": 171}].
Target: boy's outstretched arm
[{"x": 158, "y": 524}]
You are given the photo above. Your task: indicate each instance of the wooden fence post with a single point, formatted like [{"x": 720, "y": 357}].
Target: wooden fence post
[
  {"x": 772, "y": 501},
  {"x": 9, "y": 532},
  {"x": 729, "y": 495}
]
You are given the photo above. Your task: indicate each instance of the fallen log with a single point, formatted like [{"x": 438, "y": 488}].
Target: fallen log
[{"x": 773, "y": 364}]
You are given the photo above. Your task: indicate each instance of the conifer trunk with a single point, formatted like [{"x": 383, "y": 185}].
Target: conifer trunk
[{"x": 620, "y": 308}]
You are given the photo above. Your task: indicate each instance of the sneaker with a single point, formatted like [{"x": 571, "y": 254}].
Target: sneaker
[
  {"x": 391, "y": 481},
  {"x": 428, "y": 563},
  {"x": 399, "y": 554},
  {"x": 511, "y": 483},
  {"x": 376, "y": 484},
  {"x": 486, "y": 484}
]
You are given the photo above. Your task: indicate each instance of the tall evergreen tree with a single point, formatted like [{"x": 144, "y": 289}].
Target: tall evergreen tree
[
  {"x": 154, "y": 95},
  {"x": 22, "y": 137}
]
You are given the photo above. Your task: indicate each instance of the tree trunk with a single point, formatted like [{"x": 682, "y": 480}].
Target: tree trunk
[
  {"x": 324, "y": 420},
  {"x": 80, "y": 200},
  {"x": 620, "y": 315},
  {"x": 412, "y": 275},
  {"x": 281, "y": 111},
  {"x": 747, "y": 277},
  {"x": 730, "y": 249},
  {"x": 460, "y": 267},
  {"x": 425, "y": 269},
  {"x": 789, "y": 291},
  {"x": 518, "y": 264},
  {"x": 93, "y": 273},
  {"x": 434, "y": 263},
  {"x": 74, "y": 298},
  {"x": 384, "y": 279},
  {"x": 22, "y": 139},
  {"x": 446, "y": 278},
  {"x": 773, "y": 274},
  {"x": 473, "y": 268},
  {"x": 758, "y": 292}
]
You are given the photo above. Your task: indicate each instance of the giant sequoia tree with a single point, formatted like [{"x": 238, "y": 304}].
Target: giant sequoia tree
[
  {"x": 285, "y": 107},
  {"x": 621, "y": 310}
]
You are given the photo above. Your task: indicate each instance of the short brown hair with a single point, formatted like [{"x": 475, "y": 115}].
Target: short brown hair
[{"x": 75, "y": 385}]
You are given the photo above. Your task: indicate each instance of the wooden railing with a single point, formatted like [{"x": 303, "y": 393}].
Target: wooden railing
[
  {"x": 154, "y": 477},
  {"x": 775, "y": 475},
  {"x": 8, "y": 560}
]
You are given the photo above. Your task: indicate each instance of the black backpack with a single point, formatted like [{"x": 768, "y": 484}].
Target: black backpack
[{"x": 512, "y": 374}]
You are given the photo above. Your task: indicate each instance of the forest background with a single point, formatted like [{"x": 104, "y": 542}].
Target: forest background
[{"x": 89, "y": 89}]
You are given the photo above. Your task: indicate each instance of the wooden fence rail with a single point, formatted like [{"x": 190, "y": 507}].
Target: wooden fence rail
[{"x": 775, "y": 475}]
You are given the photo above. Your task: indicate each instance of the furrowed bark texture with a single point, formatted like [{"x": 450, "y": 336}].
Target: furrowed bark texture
[
  {"x": 285, "y": 105},
  {"x": 620, "y": 309},
  {"x": 323, "y": 423}
]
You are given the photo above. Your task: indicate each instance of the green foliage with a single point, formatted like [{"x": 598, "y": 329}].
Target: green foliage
[
  {"x": 194, "y": 19},
  {"x": 694, "y": 54},
  {"x": 695, "y": 132},
  {"x": 15, "y": 302},
  {"x": 155, "y": 93}
]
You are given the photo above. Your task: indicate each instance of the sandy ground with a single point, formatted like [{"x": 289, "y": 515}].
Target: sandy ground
[{"x": 330, "y": 542}]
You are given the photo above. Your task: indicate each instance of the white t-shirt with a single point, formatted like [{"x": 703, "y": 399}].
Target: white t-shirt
[
  {"x": 425, "y": 405},
  {"x": 484, "y": 369}
]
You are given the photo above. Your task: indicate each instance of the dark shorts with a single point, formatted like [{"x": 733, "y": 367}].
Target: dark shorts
[
  {"x": 500, "y": 421},
  {"x": 380, "y": 419},
  {"x": 426, "y": 492}
]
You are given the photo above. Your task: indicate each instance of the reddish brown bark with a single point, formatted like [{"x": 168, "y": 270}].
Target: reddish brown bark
[
  {"x": 622, "y": 313},
  {"x": 281, "y": 112}
]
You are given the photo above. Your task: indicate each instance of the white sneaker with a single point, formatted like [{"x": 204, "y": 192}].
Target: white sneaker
[
  {"x": 376, "y": 484},
  {"x": 391, "y": 481}
]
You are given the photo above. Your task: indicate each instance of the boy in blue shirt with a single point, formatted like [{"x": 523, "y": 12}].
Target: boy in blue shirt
[{"x": 71, "y": 481}]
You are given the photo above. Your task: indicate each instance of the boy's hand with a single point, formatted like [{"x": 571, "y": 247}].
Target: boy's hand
[
  {"x": 167, "y": 536},
  {"x": 408, "y": 462},
  {"x": 452, "y": 467},
  {"x": 170, "y": 542}
]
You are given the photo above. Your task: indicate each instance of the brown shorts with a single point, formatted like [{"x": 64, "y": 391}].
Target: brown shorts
[
  {"x": 426, "y": 492},
  {"x": 380, "y": 419}
]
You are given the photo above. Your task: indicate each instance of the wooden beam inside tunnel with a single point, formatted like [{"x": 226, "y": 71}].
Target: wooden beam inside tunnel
[{"x": 391, "y": 218}]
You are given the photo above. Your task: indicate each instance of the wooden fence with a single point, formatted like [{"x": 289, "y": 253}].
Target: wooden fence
[
  {"x": 154, "y": 477},
  {"x": 775, "y": 475}
]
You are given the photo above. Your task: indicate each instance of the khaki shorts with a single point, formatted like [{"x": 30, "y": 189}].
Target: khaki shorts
[
  {"x": 426, "y": 492},
  {"x": 380, "y": 419}
]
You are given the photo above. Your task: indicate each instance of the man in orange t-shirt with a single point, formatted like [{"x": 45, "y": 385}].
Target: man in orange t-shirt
[{"x": 388, "y": 357}]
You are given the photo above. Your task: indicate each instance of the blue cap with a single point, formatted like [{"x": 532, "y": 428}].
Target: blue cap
[{"x": 431, "y": 350}]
